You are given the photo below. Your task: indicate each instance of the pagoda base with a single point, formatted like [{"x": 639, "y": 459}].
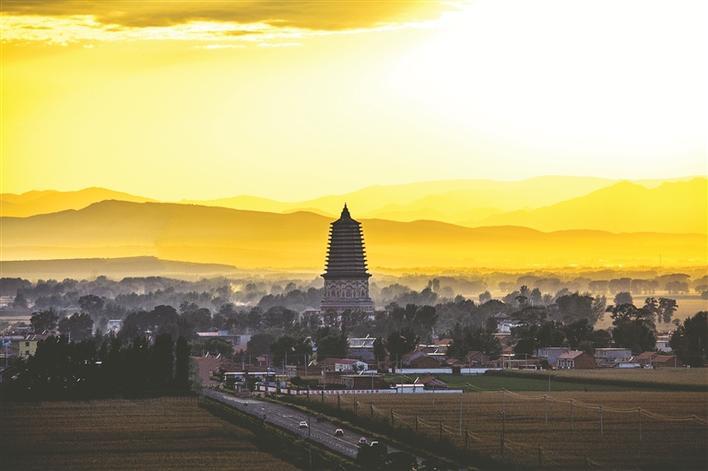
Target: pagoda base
[{"x": 346, "y": 294}]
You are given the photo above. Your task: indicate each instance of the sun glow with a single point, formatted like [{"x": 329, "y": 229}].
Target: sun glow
[{"x": 610, "y": 78}]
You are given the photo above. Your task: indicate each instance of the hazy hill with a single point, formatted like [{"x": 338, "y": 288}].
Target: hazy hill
[
  {"x": 679, "y": 207},
  {"x": 250, "y": 239},
  {"x": 465, "y": 202},
  {"x": 112, "y": 267},
  {"x": 49, "y": 201}
]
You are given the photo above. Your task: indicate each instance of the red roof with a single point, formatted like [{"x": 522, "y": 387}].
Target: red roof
[{"x": 571, "y": 355}]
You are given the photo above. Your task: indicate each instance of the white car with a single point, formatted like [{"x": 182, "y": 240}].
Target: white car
[
  {"x": 303, "y": 424},
  {"x": 339, "y": 432}
]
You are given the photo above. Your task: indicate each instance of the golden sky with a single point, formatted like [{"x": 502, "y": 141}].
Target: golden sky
[{"x": 295, "y": 99}]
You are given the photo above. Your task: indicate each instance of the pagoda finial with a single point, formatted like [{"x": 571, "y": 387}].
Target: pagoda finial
[{"x": 345, "y": 212}]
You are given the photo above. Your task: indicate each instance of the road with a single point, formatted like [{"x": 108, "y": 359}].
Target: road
[{"x": 288, "y": 418}]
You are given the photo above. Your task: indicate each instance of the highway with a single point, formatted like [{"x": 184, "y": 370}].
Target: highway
[{"x": 288, "y": 418}]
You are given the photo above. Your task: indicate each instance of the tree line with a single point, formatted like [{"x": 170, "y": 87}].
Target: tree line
[{"x": 100, "y": 367}]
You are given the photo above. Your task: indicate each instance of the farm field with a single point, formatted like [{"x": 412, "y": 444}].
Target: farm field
[
  {"x": 167, "y": 433},
  {"x": 660, "y": 376},
  {"x": 476, "y": 383},
  {"x": 563, "y": 431}
]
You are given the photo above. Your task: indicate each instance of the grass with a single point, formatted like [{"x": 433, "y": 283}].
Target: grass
[
  {"x": 660, "y": 378},
  {"x": 478, "y": 383},
  {"x": 571, "y": 437},
  {"x": 167, "y": 433}
]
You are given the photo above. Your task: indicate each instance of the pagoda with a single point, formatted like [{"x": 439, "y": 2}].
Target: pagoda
[{"x": 346, "y": 285}]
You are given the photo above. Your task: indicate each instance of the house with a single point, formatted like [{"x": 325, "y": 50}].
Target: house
[
  {"x": 551, "y": 354},
  {"x": 361, "y": 348},
  {"x": 476, "y": 359},
  {"x": 576, "y": 360},
  {"x": 239, "y": 341},
  {"x": 505, "y": 324},
  {"x": 656, "y": 360},
  {"x": 113, "y": 326},
  {"x": 663, "y": 343},
  {"x": 431, "y": 382},
  {"x": 420, "y": 360},
  {"x": 26, "y": 347},
  {"x": 434, "y": 350},
  {"x": 609, "y": 357},
  {"x": 343, "y": 365}
]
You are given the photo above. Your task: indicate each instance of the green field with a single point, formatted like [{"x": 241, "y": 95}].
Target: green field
[
  {"x": 476, "y": 383},
  {"x": 497, "y": 382},
  {"x": 671, "y": 378},
  {"x": 601, "y": 379}
]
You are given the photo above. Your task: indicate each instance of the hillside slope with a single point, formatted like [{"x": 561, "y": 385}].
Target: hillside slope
[
  {"x": 111, "y": 267},
  {"x": 49, "y": 201},
  {"x": 677, "y": 207},
  {"x": 250, "y": 239}
]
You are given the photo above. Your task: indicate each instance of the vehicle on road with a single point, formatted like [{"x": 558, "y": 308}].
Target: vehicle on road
[
  {"x": 303, "y": 424},
  {"x": 339, "y": 432},
  {"x": 363, "y": 441}
]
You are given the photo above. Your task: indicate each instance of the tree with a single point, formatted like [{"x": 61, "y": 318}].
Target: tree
[
  {"x": 259, "y": 344},
  {"x": 332, "y": 345},
  {"x": 667, "y": 307},
  {"x": 578, "y": 332},
  {"x": 633, "y": 328},
  {"x": 575, "y": 306},
  {"x": 20, "y": 301},
  {"x": 379, "y": 350},
  {"x": 468, "y": 339},
  {"x": 484, "y": 297},
  {"x": 281, "y": 348},
  {"x": 182, "y": 363},
  {"x": 77, "y": 327},
  {"x": 401, "y": 342},
  {"x": 623, "y": 298},
  {"x": 44, "y": 321},
  {"x": 690, "y": 340},
  {"x": 199, "y": 318},
  {"x": 162, "y": 363},
  {"x": 532, "y": 336},
  {"x": 91, "y": 303}
]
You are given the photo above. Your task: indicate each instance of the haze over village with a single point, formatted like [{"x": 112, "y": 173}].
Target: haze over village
[{"x": 353, "y": 235}]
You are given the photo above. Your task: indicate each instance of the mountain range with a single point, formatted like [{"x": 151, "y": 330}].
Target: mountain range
[
  {"x": 539, "y": 222},
  {"x": 255, "y": 239},
  {"x": 542, "y": 203}
]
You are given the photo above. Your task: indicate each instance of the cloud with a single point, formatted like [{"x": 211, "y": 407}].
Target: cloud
[{"x": 323, "y": 15}]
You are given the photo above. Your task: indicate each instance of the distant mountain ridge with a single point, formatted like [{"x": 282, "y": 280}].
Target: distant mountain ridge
[
  {"x": 112, "y": 267},
  {"x": 49, "y": 201},
  {"x": 253, "y": 239},
  {"x": 544, "y": 203},
  {"x": 677, "y": 207}
]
